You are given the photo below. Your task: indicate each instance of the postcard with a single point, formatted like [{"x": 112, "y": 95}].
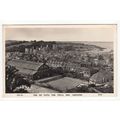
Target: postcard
[{"x": 59, "y": 60}]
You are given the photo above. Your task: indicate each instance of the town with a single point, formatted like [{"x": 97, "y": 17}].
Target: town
[{"x": 58, "y": 67}]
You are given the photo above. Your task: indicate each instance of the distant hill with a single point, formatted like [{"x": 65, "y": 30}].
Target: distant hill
[
  {"x": 11, "y": 44},
  {"x": 81, "y": 45}
]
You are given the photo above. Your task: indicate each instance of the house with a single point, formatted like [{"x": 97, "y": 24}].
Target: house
[
  {"x": 26, "y": 68},
  {"x": 84, "y": 72},
  {"x": 101, "y": 77},
  {"x": 32, "y": 70}
]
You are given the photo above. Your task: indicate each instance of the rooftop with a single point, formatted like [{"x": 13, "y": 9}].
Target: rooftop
[{"x": 25, "y": 67}]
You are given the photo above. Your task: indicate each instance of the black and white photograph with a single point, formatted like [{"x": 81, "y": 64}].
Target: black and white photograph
[
  {"x": 57, "y": 59},
  {"x": 60, "y": 59}
]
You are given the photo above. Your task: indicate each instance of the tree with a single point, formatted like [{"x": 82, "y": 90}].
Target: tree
[
  {"x": 21, "y": 48},
  {"x": 100, "y": 57},
  {"x": 14, "y": 81}
]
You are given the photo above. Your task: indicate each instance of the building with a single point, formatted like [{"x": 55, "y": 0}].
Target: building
[
  {"x": 26, "y": 68},
  {"x": 101, "y": 77},
  {"x": 32, "y": 70}
]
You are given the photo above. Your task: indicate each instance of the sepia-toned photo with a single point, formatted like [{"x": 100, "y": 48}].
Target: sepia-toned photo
[{"x": 59, "y": 60}]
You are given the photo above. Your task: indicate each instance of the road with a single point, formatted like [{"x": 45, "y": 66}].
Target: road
[{"x": 39, "y": 89}]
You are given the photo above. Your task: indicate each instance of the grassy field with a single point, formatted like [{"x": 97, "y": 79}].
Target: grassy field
[{"x": 65, "y": 84}]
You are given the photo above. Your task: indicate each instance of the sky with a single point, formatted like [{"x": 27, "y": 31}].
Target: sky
[{"x": 61, "y": 32}]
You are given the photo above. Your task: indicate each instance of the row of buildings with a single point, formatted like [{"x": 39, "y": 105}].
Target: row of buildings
[
  {"x": 105, "y": 59},
  {"x": 29, "y": 69}
]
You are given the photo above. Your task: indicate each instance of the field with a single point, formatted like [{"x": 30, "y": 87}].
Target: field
[{"x": 65, "y": 84}]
